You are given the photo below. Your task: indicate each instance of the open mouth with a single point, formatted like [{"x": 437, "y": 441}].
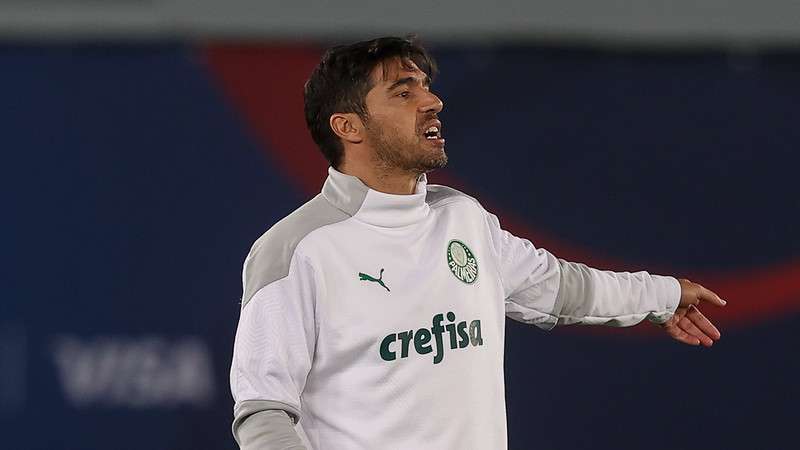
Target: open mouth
[{"x": 434, "y": 134}]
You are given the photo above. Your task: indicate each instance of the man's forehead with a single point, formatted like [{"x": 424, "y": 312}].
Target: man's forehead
[{"x": 393, "y": 69}]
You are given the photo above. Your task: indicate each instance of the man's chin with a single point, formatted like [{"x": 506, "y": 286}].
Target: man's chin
[{"x": 434, "y": 162}]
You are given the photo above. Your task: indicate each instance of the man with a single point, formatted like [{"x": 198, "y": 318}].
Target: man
[{"x": 374, "y": 315}]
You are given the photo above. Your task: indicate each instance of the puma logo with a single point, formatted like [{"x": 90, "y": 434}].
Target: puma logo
[{"x": 379, "y": 280}]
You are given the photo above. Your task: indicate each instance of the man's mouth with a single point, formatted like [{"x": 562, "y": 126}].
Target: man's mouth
[{"x": 434, "y": 133}]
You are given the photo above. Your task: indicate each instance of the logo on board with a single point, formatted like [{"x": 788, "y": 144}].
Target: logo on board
[{"x": 461, "y": 261}]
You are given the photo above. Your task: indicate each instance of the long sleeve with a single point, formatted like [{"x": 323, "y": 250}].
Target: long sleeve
[
  {"x": 274, "y": 347},
  {"x": 545, "y": 291}
]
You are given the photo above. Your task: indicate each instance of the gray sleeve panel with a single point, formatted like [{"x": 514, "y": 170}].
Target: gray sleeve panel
[
  {"x": 271, "y": 254},
  {"x": 248, "y": 407},
  {"x": 437, "y": 193},
  {"x": 561, "y": 295},
  {"x": 345, "y": 192},
  {"x": 618, "y": 299},
  {"x": 268, "y": 430}
]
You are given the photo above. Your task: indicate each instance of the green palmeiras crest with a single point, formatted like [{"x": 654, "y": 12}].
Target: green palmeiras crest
[{"x": 461, "y": 261}]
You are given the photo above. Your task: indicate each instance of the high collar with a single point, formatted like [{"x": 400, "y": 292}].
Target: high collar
[{"x": 351, "y": 195}]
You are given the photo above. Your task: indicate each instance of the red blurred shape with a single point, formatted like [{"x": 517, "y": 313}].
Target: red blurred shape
[{"x": 265, "y": 83}]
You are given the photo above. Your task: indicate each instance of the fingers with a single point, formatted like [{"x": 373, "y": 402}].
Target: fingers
[
  {"x": 691, "y": 329},
  {"x": 693, "y": 294},
  {"x": 689, "y": 325},
  {"x": 682, "y": 336},
  {"x": 708, "y": 296},
  {"x": 701, "y": 322}
]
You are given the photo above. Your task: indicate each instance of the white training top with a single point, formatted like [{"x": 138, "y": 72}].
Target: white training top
[{"x": 377, "y": 320}]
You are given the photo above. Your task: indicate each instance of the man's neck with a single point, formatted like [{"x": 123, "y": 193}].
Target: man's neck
[{"x": 383, "y": 180}]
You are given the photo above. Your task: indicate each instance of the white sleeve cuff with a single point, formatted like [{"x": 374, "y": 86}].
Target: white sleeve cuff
[{"x": 669, "y": 294}]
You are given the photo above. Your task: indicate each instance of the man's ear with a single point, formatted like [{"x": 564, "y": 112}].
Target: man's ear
[{"x": 348, "y": 126}]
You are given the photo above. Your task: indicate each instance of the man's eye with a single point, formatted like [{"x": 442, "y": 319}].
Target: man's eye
[{"x": 404, "y": 94}]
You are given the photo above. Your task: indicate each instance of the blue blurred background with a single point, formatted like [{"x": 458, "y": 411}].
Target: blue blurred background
[{"x": 146, "y": 145}]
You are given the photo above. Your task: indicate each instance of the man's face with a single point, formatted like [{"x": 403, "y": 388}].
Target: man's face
[{"x": 403, "y": 126}]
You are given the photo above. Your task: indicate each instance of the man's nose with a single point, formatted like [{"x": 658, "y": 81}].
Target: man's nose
[{"x": 432, "y": 104}]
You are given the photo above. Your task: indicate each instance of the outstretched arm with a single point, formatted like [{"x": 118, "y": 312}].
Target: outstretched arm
[{"x": 545, "y": 291}]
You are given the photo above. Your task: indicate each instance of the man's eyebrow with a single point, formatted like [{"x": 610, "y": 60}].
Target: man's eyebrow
[{"x": 409, "y": 80}]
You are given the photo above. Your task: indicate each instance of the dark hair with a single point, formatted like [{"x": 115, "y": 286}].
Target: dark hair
[{"x": 341, "y": 81}]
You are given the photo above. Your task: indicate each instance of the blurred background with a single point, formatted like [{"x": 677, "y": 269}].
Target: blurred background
[{"x": 147, "y": 143}]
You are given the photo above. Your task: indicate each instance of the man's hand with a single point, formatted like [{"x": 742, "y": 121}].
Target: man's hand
[{"x": 689, "y": 325}]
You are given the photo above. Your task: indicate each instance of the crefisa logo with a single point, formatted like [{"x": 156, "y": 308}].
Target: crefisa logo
[{"x": 460, "y": 335}]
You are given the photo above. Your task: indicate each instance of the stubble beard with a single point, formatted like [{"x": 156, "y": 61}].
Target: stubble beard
[{"x": 395, "y": 153}]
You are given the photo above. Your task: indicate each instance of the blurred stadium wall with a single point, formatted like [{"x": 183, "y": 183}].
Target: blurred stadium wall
[
  {"x": 651, "y": 22},
  {"x": 146, "y": 144}
]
